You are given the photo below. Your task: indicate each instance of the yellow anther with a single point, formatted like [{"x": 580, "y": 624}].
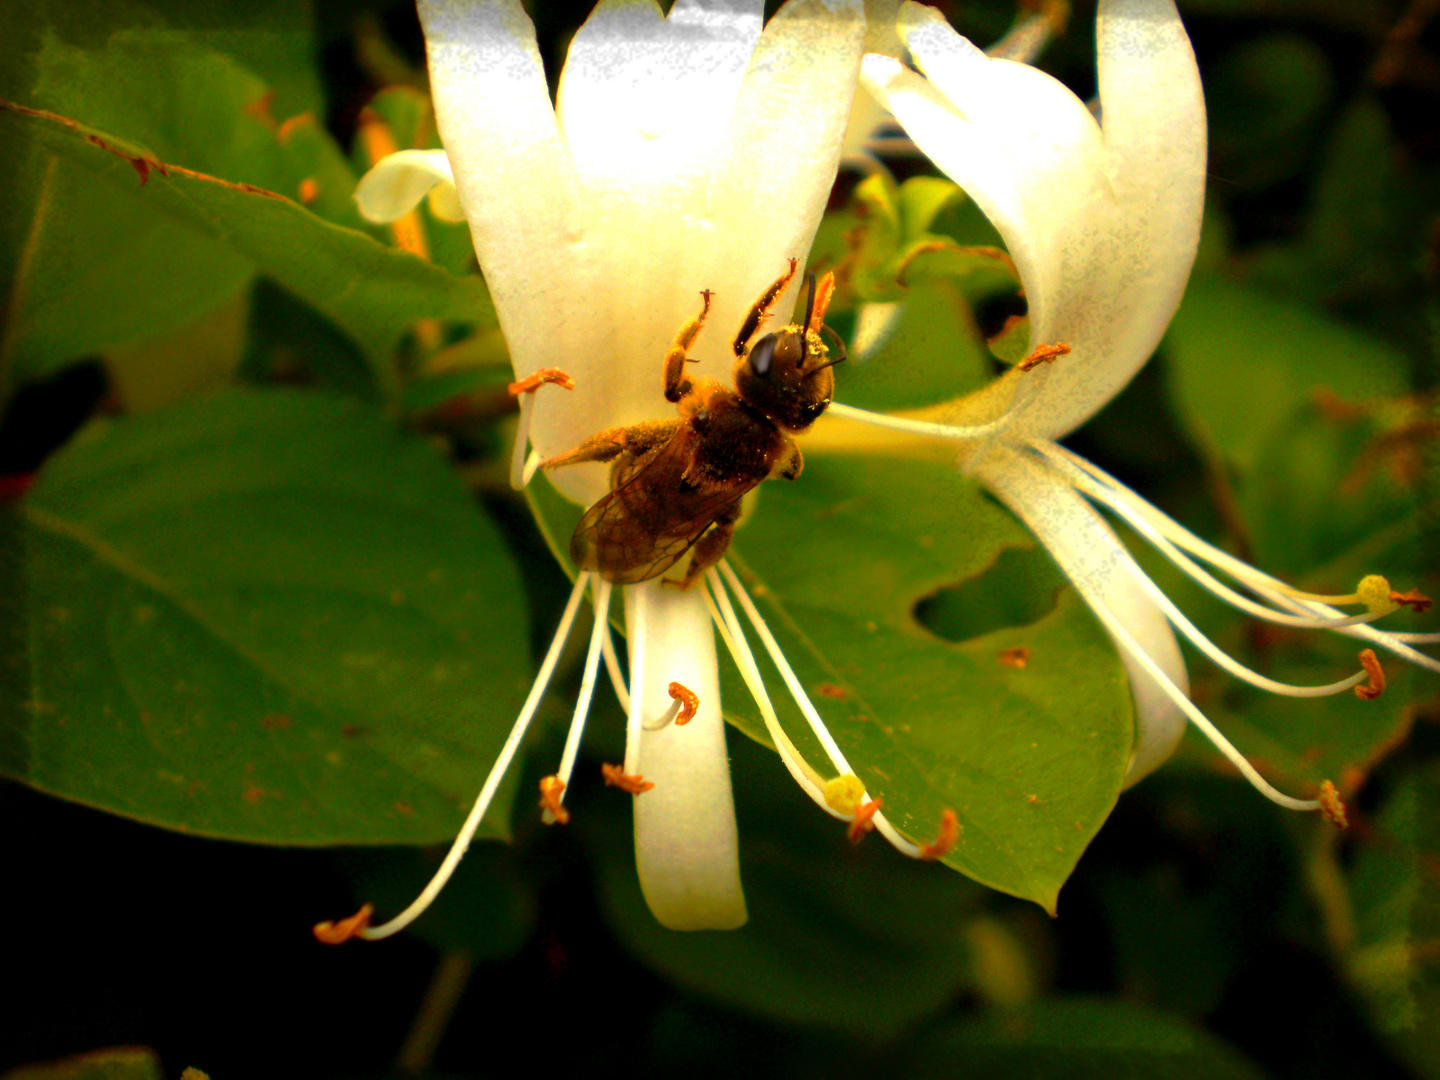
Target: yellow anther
[
  {"x": 552, "y": 810},
  {"x": 844, "y": 793}
]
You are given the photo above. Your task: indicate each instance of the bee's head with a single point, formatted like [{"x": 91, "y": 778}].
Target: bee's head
[{"x": 786, "y": 375}]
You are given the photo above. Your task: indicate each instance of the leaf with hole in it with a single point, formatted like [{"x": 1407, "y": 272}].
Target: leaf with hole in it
[
  {"x": 262, "y": 616},
  {"x": 1023, "y": 728}
]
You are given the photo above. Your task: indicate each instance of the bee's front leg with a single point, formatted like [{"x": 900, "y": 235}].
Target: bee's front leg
[{"x": 676, "y": 385}]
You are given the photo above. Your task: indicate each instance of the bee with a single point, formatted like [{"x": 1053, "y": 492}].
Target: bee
[{"x": 676, "y": 485}]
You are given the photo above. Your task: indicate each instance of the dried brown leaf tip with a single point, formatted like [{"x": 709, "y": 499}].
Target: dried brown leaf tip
[
  {"x": 1376, "y": 686},
  {"x": 945, "y": 839},
  {"x": 689, "y": 703},
  {"x": 615, "y": 776},
  {"x": 337, "y": 933},
  {"x": 1332, "y": 806}
]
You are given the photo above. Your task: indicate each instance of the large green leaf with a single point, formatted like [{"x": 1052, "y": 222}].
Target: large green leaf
[
  {"x": 264, "y": 616},
  {"x": 373, "y": 292}
]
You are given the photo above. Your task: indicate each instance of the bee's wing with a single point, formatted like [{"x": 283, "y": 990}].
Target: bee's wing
[{"x": 643, "y": 527}]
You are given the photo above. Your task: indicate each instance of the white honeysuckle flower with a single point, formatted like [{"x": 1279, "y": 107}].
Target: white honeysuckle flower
[
  {"x": 1102, "y": 219},
  {"x": 684, "y": 153}
]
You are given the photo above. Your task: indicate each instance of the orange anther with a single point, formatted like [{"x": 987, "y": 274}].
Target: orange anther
[
  {"x": 1415, "y": 599},
  {"x": 1331, "y": 805},
  {"x": 689, "y": 703},
  {"x": 945, "y": 839},
  {"x": 1371, "y": 663},
  {"x": 862, "y": 823},
  {"x": 337, "y": 933},
  {"x": 1017, "y": 657},
  {"x": 615, "y": 776},
  {"x": 824, "y": 291},
  {"x": 537, "y": 379},
  {"x": 551, "y": 789},
  {"x": 1043, "y": 354}
]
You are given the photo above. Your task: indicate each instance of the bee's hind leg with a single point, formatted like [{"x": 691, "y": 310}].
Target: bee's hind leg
[{"x": 711, "y": 547}]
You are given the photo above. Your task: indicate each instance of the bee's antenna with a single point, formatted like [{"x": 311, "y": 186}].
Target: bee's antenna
[{"x": 809, "y": 310}]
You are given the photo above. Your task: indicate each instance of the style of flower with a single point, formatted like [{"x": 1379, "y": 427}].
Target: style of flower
[{"x": 1101, "y": 213}]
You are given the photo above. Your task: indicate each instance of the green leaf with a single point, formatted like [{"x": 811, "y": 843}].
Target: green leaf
[
  {"x": 373, "y": 292},
  {"x": 1074, "y": 1037},
  {"x": 1289, "y": 353},
  {"x": 1384, "y": 884},
  {"x": 858, "y": 940},
  {"x": 122, "y": 1063},
  {"x": 1032, "y": 758},
  {"x": 263, "y": 616}
]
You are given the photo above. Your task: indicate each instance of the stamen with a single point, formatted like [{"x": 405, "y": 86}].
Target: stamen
[
  {"x": 689, "y": 703},
  {"x": 1371, "y": 663},
  {"x": 681, "y": 712},
  {"x": 552, "y": 811},
  {"x": 797, "y": 692},
  {"x": 615, "y": 776},
  {"x": 600, "y": 603},
  {"x": 497, "y": 773},
  {"x": 945, "y": 839},
  {"x": 1043, "y": 354},
  {"x": 337, "y": 933},
  {"x": 547, "y": 376},
  {"x": 863, "y": 823},
  {"x": 731, "y": 633},
  {"x": 522, "y": 470},
  {"x": 1332, "y": 806},
  {"x": 1137, "y": 512},
  {"x": 612, "y": 667}
]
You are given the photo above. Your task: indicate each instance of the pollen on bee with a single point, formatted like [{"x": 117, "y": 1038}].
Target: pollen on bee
[
  {"x": 536, "y": 379},
  {"x": 1332, "y": 806},
  {"x": 689, "y": 703},
  {"x": 1043, "y": 354},
  {"x": 552, "y": 810},
  {"x": 615, "y": 776},
  {"x": 337, "y": 933},
  {"x": 1376, "y": 686},
  {"x": 862, "y": 823},
  {"x": 945, "y": 839}
]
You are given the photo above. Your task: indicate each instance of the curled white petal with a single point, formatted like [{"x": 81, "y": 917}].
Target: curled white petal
[
  {"x": 400, "y": 180},
  {"x": 686, "y": 847},
  {"x": 1102, "y": 222},
  {"x": 1106, "y": 576}
]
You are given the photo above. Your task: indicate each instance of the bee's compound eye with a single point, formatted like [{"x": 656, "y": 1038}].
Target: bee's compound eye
[{"x": 762, "y": 356}]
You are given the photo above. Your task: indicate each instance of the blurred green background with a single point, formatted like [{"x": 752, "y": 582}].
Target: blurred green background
[{"x": 306, "y": 430}]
